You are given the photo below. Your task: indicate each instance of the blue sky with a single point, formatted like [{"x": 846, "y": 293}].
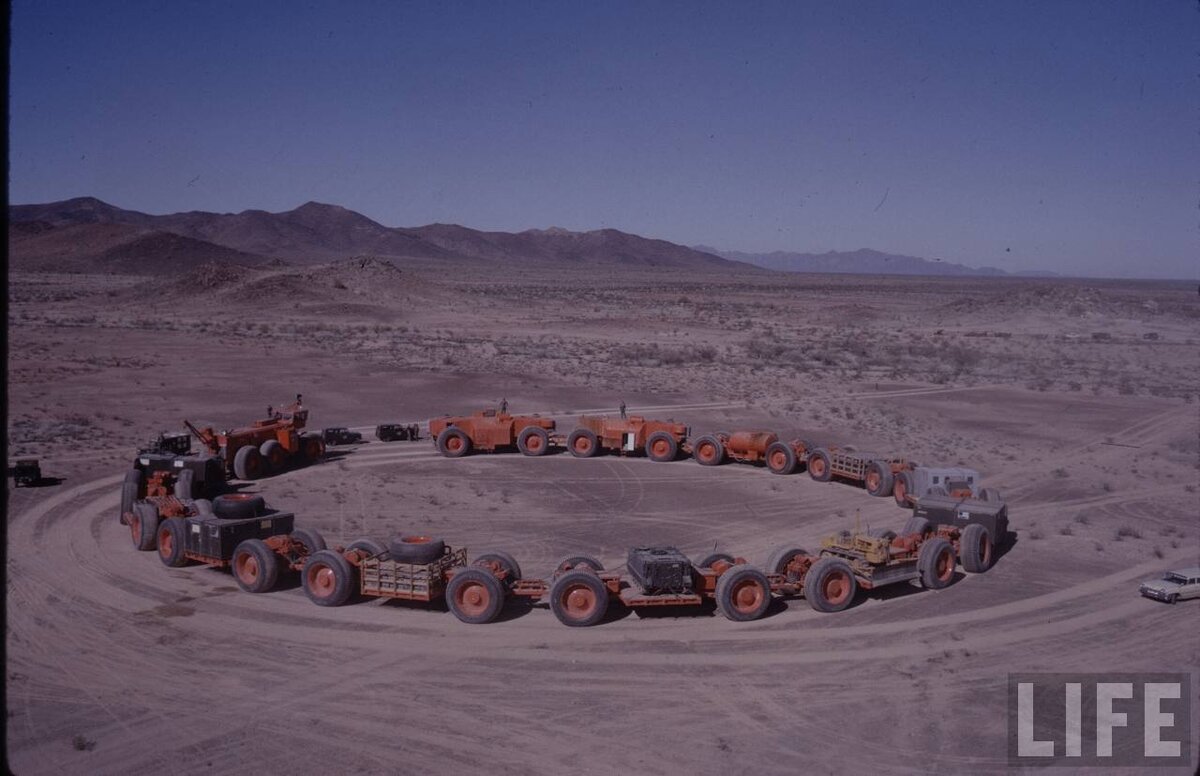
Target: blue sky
[{"x": 1023, "y": 135}]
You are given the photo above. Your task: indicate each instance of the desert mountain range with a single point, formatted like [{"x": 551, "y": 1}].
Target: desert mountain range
[{"x": 86, "y": 234}]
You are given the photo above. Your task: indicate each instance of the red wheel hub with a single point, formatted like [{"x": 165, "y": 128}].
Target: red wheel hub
[
  {"x": 247, "y": 568},
  {"x": 473, "y": 598},
  {"x": 321, "y": 580},
  {"x": 166, "y": 543},
  {"x": 533, "y": 442},
  {"x": 817, "y": 467},
  {"x": 579, "y": 602},
  {"x": 945, "y": 565},
  {"x": 778, "y": 460},
  {"x": 583, "y": 445},
  {"x": 660, "y": 447},
  {"x": 836, "y": 587},
  {"x": 873, "y": 480},
  {"x": 747, "y": 596}
]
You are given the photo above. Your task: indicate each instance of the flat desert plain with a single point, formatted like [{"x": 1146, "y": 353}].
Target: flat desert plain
[{"x": 1075, "y": 398}]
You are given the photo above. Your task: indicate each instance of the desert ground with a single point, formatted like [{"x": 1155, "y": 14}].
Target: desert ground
[{"x": 1076, "y": 398}]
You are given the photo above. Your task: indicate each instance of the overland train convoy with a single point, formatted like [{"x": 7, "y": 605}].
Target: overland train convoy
[{"x": 180, "y": 503}]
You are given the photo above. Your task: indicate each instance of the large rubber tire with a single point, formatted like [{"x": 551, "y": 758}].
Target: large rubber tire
[
  {"x": 475, "y": 596},
  {"x": 990, "y": 495},
  {"x": 578, "y": 561},
  {"x": 743, "y": 593},
  {"x": 977, "y": 549},
  {"x": 882, "y": 533},
  {"x": 709, "y": 560},
  {"x": 708, "y": 451},
  {"x": 311, "y": 448},
  {"x": 533, "y": 441},
  {"x": 582, "y": 443},
  {"x": 171, "y": 542},
  {"x": 830, "y": 585},
  {"x": 878, "y": 481},
  {"x": 902, "y": 489},
  {"x": 915, "y": 525},
  {"x": 935, "y": 561},
  {"x": 328, "y": 578},
  {"x": 453, "y": 442},
  {"x": 311, "y": 538},
  {"x": 131, "y": 490},
  {"x": 496, "y": 561},
  {"x": 661, "y": 447},
  {"x": 248, "y": 463},
  {"x": 579, "y": 598},
  {"x": 416, "y": 549},
  {"x": 274, "y": 454},
  {"x": 143, "y": 525},
  {"x": 185, "y": 485},
  {"x": 370, "y": 546},
  {"x": 255, "y": 568},
  {"x": 818, "y": 465},
  {"x": 781, "y": 458},
  {"x": 238, "y": 506},
  {"x": 780, "y": 557},
  {"x": 202, "y": 506}
]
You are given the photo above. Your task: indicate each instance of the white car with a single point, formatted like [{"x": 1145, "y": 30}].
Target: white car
[{"x": 1174, "y": 585}]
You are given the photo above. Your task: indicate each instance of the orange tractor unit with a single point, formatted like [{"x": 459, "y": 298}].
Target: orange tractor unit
[
  {"x": 488, "y": 431},
  {"x": 751, "y": 447},
  {"x": 266, "y": 447},
  {"x": 661, "y": 440}
]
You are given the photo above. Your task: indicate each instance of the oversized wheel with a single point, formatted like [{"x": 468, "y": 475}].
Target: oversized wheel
[
  {"x": 915, "y": 525},
  {"x": 976, "y": 549},
  {"x": 902, "y": 489},
  {"x": 743, "y": 593},
  {"x": 882, "y": 533},
  {"x": 185, "y": 485},
  {"x": 453, "y": 442},
  {"x": 255, "y": 567},
  {"x": 497, "y": 562},
  {"x": 475, "y": 596},
  {"x": 935, "y": 561},
  {"x": 274, "y": 454},
  {"x": 238, "y": 506},
  {"x": 328, "y": 578},
  {"x": 172, "y": 541},
  {"x": 369, "y": 546},
  {"x": 533, "y": 441},
  {"x": 579, "y": 598},
  {"x": 143, "y": 525},
  {"x": 661, "y": 447},
  {"x": 818, "y": 465},
  {"x": 879, "y": 479},
  {"x": 830, "y": 585},
  {"x": 131, "y": 491},
  {"x": 311, "y": 538},
  {"x": 709, "y": 451},
  {"x": 781, "y": 557},
  {"x": 248, "y": 463},
  {"x": 990, "y": 494},
  {"x": 582, "y": 443},
  {"x": 781, "y": 458},
  {"x": 311, "y": 448},
  {"x": 416, "y": 549},
  {"x": 578, "y": 562},
  {"x": 716, "y": 557}
]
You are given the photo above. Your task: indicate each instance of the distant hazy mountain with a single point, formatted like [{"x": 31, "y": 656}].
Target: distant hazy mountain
[
  {"x": 316, "y": 232},
  {"x": 864, "y": 261}
]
